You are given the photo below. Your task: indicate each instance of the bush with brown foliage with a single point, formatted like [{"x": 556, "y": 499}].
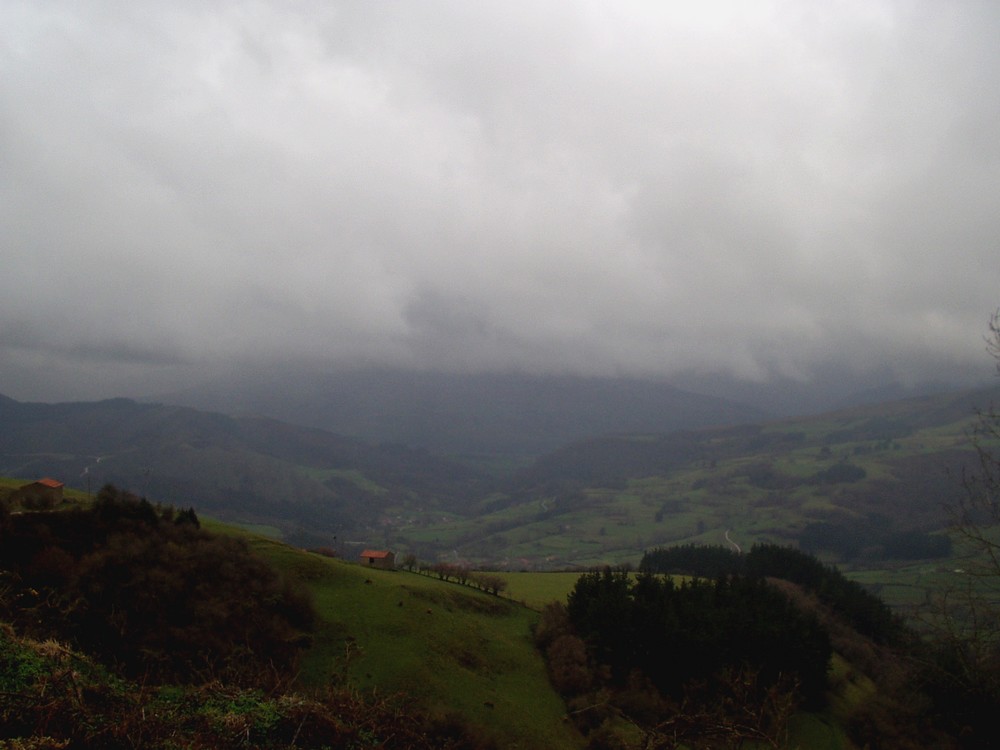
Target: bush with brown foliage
[{"x": 151, "y": 597}]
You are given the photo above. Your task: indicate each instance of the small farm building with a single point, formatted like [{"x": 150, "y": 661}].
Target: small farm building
[
  {"x": 378, "y": 558},
  {"x": 44, "y": 493}
]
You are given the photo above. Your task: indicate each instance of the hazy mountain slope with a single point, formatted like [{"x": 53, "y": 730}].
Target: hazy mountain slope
[
  {"x": 829, "y": 388},
  {"x": 305, "y": 480},
  {"x": 612, "y": 458},
  {"x": 826, "y": 478},
  {"x": 479, "y": 414}
]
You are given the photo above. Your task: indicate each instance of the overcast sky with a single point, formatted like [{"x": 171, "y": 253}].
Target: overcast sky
[{"x": 595, "y": 187}]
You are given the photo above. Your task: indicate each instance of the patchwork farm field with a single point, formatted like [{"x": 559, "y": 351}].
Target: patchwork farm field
[{"x": 871, "y": 475}]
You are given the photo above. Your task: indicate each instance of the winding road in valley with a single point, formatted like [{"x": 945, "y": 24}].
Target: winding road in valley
[{"x": 739, "y": 550}]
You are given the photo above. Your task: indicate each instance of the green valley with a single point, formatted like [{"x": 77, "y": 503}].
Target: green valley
[{"x": 866, "y": 487}]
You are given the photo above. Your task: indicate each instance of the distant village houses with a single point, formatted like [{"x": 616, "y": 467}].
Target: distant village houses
[
  {"x": 376, "y": 558},
  {"x": 43, "y": 493}
]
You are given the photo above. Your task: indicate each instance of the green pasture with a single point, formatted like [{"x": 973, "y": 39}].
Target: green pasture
[
  {"x": 824, "y": 730},
  {"x": 260, "y": 529},
  {"x": 538, "y": 589},
  {"x": 922, "y": 585},
  {"x": 451, "y": 648},
  {"x": 245, "y": 530}
]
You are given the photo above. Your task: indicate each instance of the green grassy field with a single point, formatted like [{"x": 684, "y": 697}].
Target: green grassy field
[
  {"x": 536, "y": 590},
  {"x": 454, "y": 650}
]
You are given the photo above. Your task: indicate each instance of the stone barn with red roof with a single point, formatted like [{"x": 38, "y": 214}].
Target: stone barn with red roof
[{"x": 378, "y": 558}]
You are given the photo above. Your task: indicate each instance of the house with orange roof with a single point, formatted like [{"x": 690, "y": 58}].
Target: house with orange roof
[{"x": 378, "y": 558}]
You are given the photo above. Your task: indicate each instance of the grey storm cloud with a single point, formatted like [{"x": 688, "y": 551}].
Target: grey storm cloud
[{"x": 595, "y": 187}]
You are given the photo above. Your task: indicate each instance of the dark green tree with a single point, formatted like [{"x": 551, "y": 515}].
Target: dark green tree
[{"x": 677, "y": 634}]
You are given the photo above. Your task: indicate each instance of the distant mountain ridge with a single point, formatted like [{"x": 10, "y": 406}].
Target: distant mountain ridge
[
  {"x": 477, "y": 414},
  {"x": 313, "y": 483},
  {"x": 601, "y": 498}
]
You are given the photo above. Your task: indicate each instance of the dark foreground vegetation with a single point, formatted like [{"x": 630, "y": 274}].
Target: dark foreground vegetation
[
  {"x": 148, "y": 592},
  {"x": 863, "y": 610},
  {"x": 54, "y": 697},
  {"x": 126, "y": 625},
  {"x": 743, "y": 643}
]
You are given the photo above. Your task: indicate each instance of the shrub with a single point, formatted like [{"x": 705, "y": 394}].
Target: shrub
[{"x": 152, "y": 598}]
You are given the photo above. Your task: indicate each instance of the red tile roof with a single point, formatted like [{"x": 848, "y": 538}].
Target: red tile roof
[
  {"x": 46, "y": 482},
  {"x": 378, "y": 553}
]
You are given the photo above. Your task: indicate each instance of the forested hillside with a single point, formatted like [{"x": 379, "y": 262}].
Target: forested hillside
[{"x": 785, "y": 653}]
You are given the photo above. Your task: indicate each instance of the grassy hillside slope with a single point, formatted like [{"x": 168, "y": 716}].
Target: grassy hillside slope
[
  {"x": 454, "y": 650},
  {"x": 459, "y": 652},
  {"x": 461, "y": 657}
]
